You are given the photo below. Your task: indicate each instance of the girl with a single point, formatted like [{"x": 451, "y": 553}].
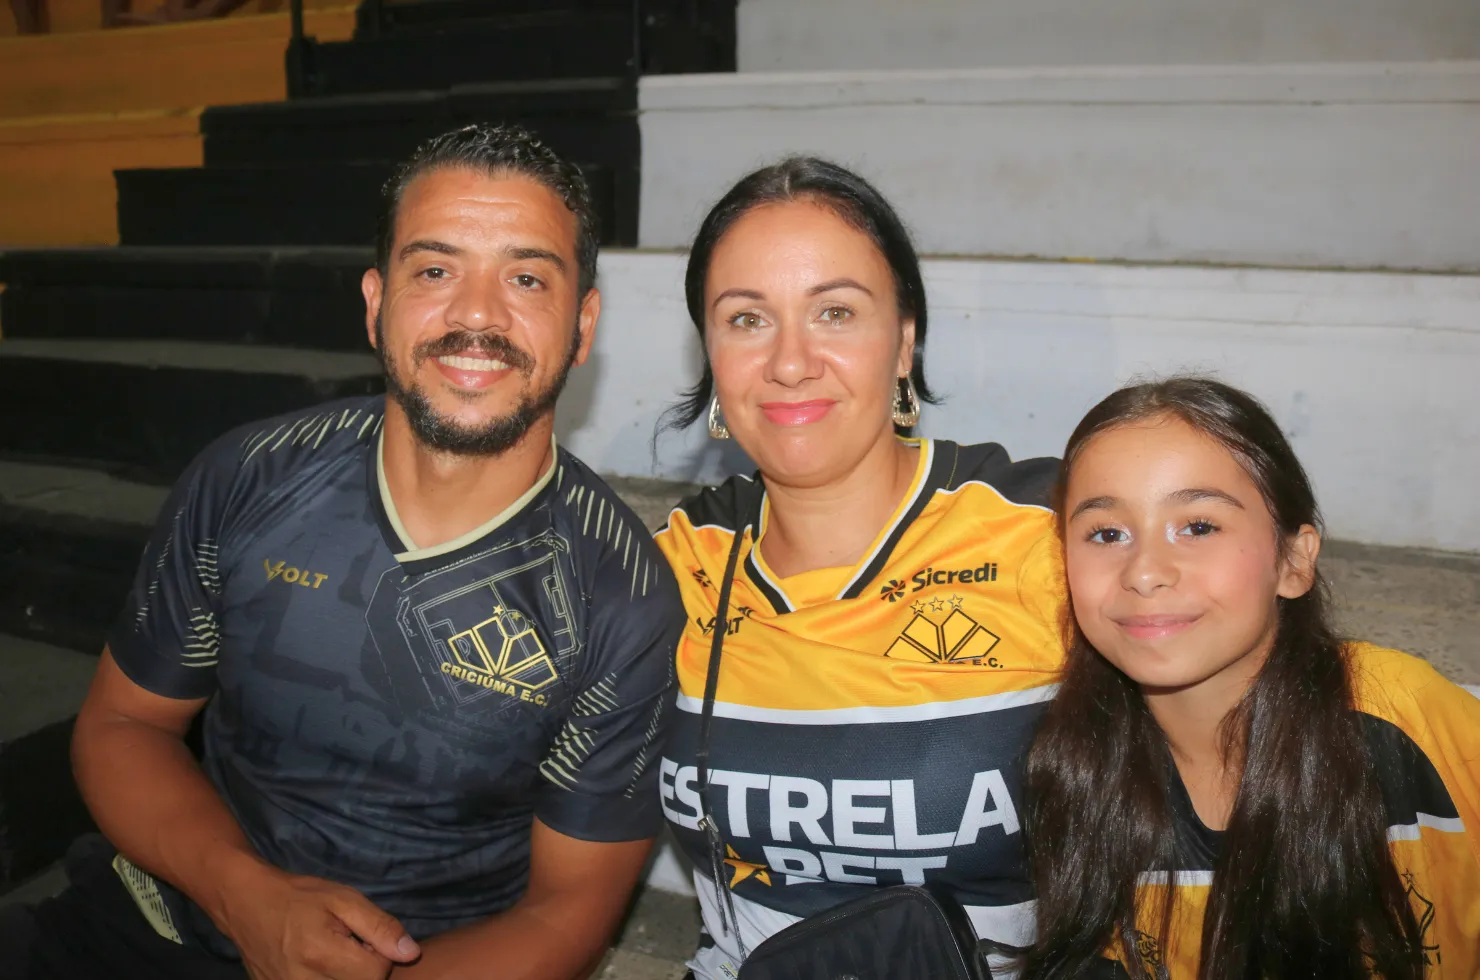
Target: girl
[{"x": 1222, "y": 788}]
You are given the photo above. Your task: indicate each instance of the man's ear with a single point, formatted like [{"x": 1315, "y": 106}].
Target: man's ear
[
  {"x": 372, "y": 287},
  {"x": 586, "y": 323},
  {"x": 1298, "y": 571}
]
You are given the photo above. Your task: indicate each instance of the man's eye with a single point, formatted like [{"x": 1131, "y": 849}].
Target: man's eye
[
  {"x": 1107, "y": 535},
  {"x": 434, "y": 273},
  {"x": 527, "y": 281}
]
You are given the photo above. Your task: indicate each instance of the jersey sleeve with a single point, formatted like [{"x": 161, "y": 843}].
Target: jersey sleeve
[
  {"x": 167, "y": 636},
  {"x": 601, "y": 771}
]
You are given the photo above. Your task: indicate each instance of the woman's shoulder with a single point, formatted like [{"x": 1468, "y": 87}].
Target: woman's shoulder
[
  {"x": 1026, "y": 482},
  {"x": 724, "y": 507}
]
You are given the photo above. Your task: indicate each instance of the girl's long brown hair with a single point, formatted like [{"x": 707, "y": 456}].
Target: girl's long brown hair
[{"x": 1305, "y": 885}]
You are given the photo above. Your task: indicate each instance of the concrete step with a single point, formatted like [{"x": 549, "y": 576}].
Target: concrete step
[
  {"x": 70, "y": 541},
  {"x": 40, "y": 811},
  {"x": 303, "y": 297},
  {"x": 152, "y": 405}
]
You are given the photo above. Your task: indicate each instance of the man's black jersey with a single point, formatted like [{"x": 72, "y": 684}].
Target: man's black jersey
[{"x": 392, "y": 718}]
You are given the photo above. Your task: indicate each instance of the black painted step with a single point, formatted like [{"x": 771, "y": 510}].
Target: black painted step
[
  {"x": 310, "y": 205},
  {"x": 150, "y": 406},
  {"x": 591, "y": 119},
  {"x": 40, "y": 810},
  {"x": 378, "y": 17},
  {"x": 70, "y": 541},
  {"x": 672, "y": 36},
  {"x": 284, "y": 297},
  {"x": 601, "y": 46}
]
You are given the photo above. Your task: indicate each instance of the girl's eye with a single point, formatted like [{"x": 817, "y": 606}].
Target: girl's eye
[
  {"x": 1199, "y": 529},
  {"x": 746, "y": 321},
  {"x": 1107, "y": 535}
]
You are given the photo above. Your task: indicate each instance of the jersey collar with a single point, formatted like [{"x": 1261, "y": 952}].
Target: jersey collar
[
  {"x": 934, "y": 470},
  {"x": 402, "y": 545}
]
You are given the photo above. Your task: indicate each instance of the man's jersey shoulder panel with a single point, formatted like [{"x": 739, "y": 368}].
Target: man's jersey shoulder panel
[{"x": 626, "y": 560}]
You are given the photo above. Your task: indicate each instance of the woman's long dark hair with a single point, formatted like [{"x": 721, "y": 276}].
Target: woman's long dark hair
[
  {"x": 1305, "y": 886},
  {"x": 847, "y": 195}
]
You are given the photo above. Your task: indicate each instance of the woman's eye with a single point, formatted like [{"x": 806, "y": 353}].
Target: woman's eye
[
  {"x": 836, "y": 314},
  {"x": 746, "y": 321},
  {"x": 1198, "y": 529},
  {"x": 1107, "y": 535}
]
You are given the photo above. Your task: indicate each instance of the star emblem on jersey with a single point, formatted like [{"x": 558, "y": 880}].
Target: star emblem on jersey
[
  {"x": 893, "y": 591},
  {"x": 744, "y": 869},
  {"x": 941, "y": 631}
]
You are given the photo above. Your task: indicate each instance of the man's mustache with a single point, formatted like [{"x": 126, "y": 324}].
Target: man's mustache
[{"x": 466, "y": 343}]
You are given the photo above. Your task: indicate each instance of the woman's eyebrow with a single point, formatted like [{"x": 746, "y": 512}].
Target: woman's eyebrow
[
  {"x": 737, "y": 292},
  {"x": 841, "y": 283}
]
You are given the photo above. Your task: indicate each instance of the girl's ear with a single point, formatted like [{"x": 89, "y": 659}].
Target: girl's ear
[{"x": 1298, "y": 571}]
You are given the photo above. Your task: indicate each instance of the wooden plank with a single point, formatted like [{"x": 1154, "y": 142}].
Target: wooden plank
[
  {"x": 56, "y": 174},
  {"x": 223, "y": 62},
  {"x": 73, "y": 16}
]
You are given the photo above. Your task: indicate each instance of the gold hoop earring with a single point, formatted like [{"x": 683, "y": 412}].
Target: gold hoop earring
[
  {"x": 717, "y": 427},
  {"x": 906, "y": 403}
]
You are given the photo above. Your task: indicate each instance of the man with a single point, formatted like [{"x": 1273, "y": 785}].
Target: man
[{"x": 434, "y": 652}]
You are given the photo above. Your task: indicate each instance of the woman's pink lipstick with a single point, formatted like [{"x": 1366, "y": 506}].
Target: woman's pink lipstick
[
  {"x": 1155, "y": 627},
  {"x": 797, "y": 413}
]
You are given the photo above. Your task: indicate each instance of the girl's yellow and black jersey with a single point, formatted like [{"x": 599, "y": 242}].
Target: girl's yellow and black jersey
[
  {"x": 870, "y": 722},
  {"x": 1424, "y": 735}
]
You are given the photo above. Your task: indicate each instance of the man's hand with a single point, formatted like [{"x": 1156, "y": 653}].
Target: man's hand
[{"x": 290, "y": 927}]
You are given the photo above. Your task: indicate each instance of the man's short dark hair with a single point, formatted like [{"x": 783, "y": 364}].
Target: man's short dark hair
[{"x": 496, "y": 151}]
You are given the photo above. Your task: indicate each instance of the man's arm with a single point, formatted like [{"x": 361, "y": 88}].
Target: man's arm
[
  {"x": 559, "y": 930},
  {"x": 155, "y": 805}
]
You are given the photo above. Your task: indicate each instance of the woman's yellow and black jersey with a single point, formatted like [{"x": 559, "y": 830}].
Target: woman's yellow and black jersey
[
  {"x": 870, "y": 722},
  {"x": 1424, "y": 736}
]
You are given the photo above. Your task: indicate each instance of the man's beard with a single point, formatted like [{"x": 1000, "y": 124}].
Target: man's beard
[{"x": 445, "y": 434}]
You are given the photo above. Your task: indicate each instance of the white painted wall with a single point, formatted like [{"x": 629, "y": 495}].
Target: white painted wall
[
  {"x": 814, "y": 35},
  {"x": 1355, "y": 166},
  {"x": 1373, "y": 375}
]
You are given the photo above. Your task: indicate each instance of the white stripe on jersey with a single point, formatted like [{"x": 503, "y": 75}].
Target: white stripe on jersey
[
  {"x": 1450, "y": 825},
  {"x": 866, "y": 715}
]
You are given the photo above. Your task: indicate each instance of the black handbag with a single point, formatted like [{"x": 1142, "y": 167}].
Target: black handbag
[{"x": 901, "y": 932}]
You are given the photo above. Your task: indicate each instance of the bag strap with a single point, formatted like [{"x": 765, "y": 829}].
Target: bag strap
[
  {"x": 716, "y": 651},
  {"x": 706, "y": 717}
]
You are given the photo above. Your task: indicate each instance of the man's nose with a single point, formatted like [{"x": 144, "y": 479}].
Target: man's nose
[{"x": 478, "y": 303}]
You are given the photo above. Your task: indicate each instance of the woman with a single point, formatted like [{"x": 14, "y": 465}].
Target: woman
[
  {"x": 888, "y": 638},
  {"x": 1309, "y": 802}
]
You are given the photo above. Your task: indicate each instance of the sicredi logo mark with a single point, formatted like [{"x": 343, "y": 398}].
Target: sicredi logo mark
[{"x": 985, "y": 572}]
